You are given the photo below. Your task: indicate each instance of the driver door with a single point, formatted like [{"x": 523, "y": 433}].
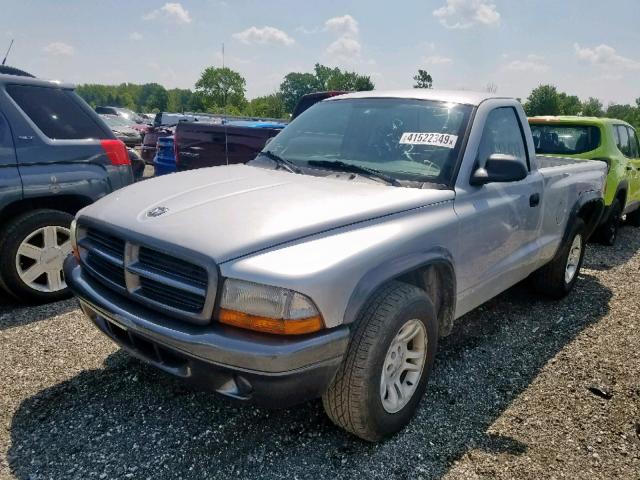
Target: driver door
[{"x": 499, "y": 221}]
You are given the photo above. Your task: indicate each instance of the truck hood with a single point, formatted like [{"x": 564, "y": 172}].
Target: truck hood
[{"x": 230, "y": 211}]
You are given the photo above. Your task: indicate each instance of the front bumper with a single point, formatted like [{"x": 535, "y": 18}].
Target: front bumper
[{"x": 257, "y": 368}]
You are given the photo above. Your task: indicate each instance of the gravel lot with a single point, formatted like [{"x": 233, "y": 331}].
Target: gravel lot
[{"x": 523, "y": 388}]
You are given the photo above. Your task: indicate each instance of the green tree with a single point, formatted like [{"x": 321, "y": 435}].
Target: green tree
[
  {"x": 422, "y": 79},
  {"x": 621, "y": 112},
  {"x": 152, "y": 97},
  {"x": 543, "y": 100},
  {"x": 570, "y": 104},
  {"x": 592, "y": 108},
  {"x": 295, "y": 85},
  {"x": 323, "y": 78},
  {"x": 222, "y": 87},
  {"x": 179, "y": 100},
  {"x": 271, "y": 106}
]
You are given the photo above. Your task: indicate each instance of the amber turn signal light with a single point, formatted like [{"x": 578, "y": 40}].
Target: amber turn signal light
[{"x": 270, "y": 325}]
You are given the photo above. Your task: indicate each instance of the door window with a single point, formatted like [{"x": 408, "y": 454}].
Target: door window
[
  {"x": 56, "y": 112},
  {"x": 623, "y": 140},
  {"x": 502, "y": 134},
  {"x": 5, "y": 134},
  {"x": 633, "y": 143}
]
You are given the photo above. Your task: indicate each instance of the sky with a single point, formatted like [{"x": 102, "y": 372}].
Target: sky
[{"x": 584, "y": 47}]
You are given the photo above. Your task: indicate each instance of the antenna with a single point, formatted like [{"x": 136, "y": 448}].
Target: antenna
[
  {"x": 224, "y": 117},
  {"x": 7, "y": 54}
]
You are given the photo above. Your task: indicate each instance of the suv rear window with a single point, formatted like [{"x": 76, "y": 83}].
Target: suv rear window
[
  {"x": 565, "y": 139},
  {"x": 55, "y": 111}
]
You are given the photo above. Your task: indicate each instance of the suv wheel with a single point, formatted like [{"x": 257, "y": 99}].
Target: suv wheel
[
  {"x": 557, "y": 278},
  {"x": 633, "y": 218},
  {"x": 34, "y": 247},
  {"x": 379, "y": 385},
  {"x": 608, "y": 232}
]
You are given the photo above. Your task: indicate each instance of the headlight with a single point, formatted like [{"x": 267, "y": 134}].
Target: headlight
[
  {"x": 267, "y": 309},
  {"x": 74, "y": 240}
]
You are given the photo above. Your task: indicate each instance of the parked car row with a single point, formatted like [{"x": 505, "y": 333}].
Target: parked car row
[{"x": 330, "y": 264}]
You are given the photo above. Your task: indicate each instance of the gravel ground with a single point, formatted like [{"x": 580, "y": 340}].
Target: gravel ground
[{"x": 523, "y": 388}]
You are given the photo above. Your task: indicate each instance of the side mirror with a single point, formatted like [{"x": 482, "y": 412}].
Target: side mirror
[{"x": 500, "y": 168}]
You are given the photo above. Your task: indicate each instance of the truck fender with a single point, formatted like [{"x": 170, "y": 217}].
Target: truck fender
[
  {"x": 590, "y": 208},
  {"x": 394, "y": 268}
]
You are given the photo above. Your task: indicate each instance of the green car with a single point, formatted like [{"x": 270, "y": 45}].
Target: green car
[{"x": 607, "y": 139}]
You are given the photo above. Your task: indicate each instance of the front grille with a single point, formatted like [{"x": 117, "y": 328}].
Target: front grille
[
  {"x": 108, "y": 243},
  {"x": 105, "y": 269},
  {"x": 182, "y": 300},
  {"x": 152, "y": 277},
  {"x": 167, "y": 265}
]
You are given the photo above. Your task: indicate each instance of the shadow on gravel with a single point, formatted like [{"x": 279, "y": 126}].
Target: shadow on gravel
[
  {"x": 14, "y": 314},
  {"x": 130, "y": 421},
  {"x": 627, "y": 245}
]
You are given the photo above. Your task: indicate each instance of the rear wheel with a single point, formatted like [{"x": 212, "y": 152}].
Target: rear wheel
[
  {"x": 607, "y": 233},
  {"x": 384, "y": 374},
  {"x": 557, "y": 278},
  {"x": 633, "y": 218},
  {"x": 33, "y": 248}
]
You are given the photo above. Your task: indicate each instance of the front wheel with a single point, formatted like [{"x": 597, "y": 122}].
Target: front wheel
[
  {"x": 557, "y": 278},
  {"x": 33, "y": 248},
  {"x": 384, "y": 374}
]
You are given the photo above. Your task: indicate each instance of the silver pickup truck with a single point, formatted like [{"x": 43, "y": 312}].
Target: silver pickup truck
[{"x": 330, "y": 265}]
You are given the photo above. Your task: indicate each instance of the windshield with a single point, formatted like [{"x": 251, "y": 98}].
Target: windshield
[
  {"x": 406, "y": 139},
  {"x": 565, "y": 139}
]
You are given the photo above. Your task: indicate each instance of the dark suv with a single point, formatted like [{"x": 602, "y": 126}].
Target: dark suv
[{"x": 56, "y": 156}]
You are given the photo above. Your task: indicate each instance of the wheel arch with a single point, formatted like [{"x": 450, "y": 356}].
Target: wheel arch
[
  {"x": 589, "y": 208},
  {"x": 621, "y": 192},
  {"x": 431, "y": 271},
  {"x": 66, "y": 203}
]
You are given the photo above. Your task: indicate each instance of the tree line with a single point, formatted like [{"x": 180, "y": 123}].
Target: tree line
[
  {"x": 547, "y": 100},
  {"x": 221, "y": 90}
]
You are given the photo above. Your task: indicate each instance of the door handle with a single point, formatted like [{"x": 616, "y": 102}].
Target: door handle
[
  {"x": 25, "y": 137},
  {"x": 534, "y": 200}
]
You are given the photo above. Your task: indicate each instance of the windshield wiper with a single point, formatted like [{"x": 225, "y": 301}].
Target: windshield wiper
[
  {"x": 350, "y": 167},
  {"x": 281, "y": 162}
]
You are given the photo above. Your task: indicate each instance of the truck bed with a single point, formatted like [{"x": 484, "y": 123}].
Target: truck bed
[{"x": 552, "y": 162}]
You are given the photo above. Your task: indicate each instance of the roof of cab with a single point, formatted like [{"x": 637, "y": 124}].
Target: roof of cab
[
  {"x": 575, "y": 120},
  {"x": 453, "y": 96},
  {"x": 37, "y": 82}
]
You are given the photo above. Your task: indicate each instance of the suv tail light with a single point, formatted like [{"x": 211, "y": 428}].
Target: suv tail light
[{"x": 116, "y": 151}]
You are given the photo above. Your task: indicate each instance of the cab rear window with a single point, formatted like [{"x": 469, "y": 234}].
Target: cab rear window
[
  {"x": 56, "y": 112},
  {"x": 565, "y": 139}
]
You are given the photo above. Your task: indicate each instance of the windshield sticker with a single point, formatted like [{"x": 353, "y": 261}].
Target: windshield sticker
[{"x": 435, "y": 139}]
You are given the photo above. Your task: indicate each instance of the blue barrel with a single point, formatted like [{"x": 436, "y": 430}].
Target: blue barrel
[{"x": 165, "y": 160}]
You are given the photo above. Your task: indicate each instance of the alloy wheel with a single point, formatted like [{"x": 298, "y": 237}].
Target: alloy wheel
[{"x": 40, "y": 257}]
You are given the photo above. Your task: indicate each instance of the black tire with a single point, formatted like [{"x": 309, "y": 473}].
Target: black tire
[
  {"x": 550, "y": 280},
  {"x": 607, "y": 233},
  {"x": 633, "y": 218},
  {"x": 14, "y": 234},
  {"x": 353, "y": 400}
]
